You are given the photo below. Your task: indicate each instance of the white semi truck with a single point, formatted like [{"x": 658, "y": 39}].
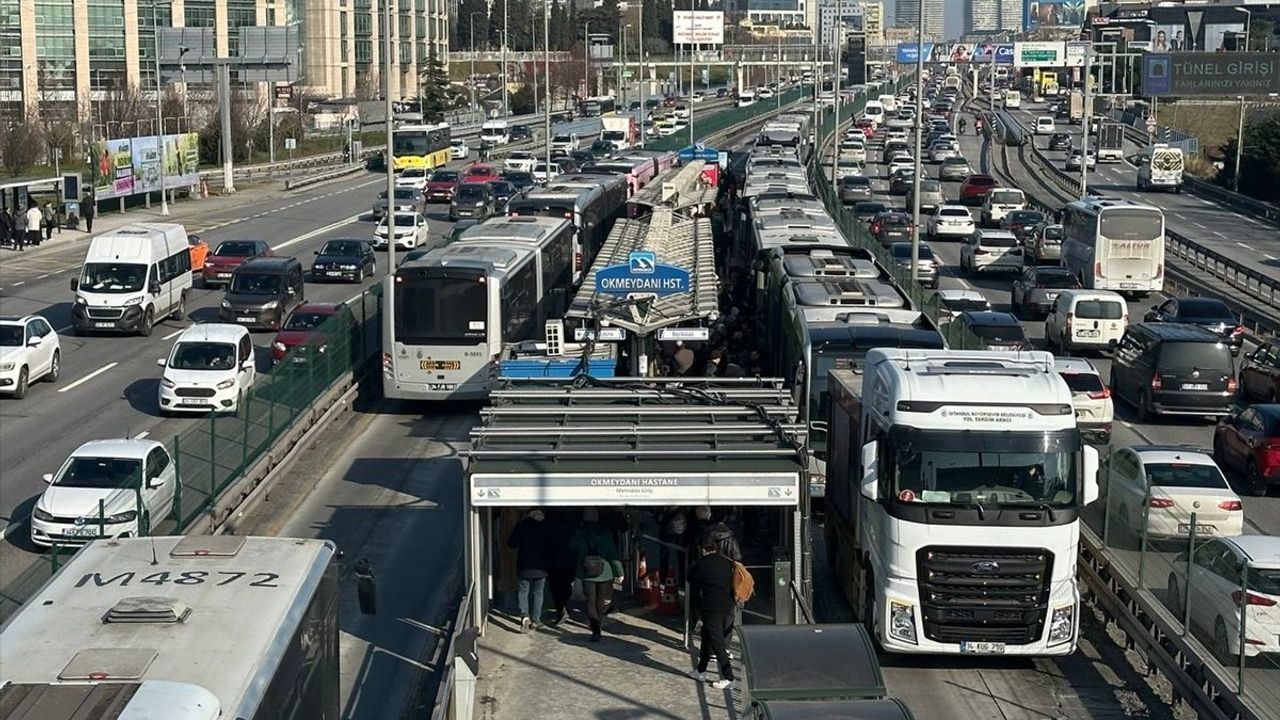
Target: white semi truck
[{"x": 955, "y": 481}]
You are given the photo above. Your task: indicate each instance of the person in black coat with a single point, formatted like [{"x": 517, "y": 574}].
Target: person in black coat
[
  {"x": 535, "y": 555},
  {"x": 711, "y": 591},
  {"x": 563, "y": 523}
]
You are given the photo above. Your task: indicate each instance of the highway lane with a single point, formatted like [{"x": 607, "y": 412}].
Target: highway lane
[{"x": 1250, "y": 242}]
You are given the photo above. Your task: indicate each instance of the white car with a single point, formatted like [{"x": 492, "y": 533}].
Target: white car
[
  {"x": 991, "y": 250},
  {"x": 900, "y": 162},
  {"x": 459, "y": 150},
  {"x": 100, "y": 491},
  {"x": 519, "y": 161},
  {"x": 1091, "y": 399},
  {"x": 950, "y": 221},
  {"x": 763, "y": 93},
  {"x": 1219, "y": 594},
  {"x": 29, "y": 351},
  {"x": 410, "y": 231},
  {"x": 1163, "y": 486},
  {"x": 209, "y": 369},
  {"x": 415, "y": 178},
  {"x": 567, "y": 142},
  {"x": 542, "y": 173},
  {"x": 943, "y": 149},
  {"x": 896, "y": 134},
  {"x": 1001, "y": 201},
  {"x": 681, "y": 111},
  {"x": 697, "y": 97},
  {"x": 953, "y": 301},
  {"x": 846, "y": 166},
  {"x": 854, "y": 149}
]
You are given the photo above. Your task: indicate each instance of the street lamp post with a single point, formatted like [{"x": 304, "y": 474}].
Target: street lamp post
[
  {"x": 472, "y": 80},
  {"x": 586, "y": 61},
  {"x": 1235, "y": 177},
  {"x": 643, "y": 92},
  {"x": 506, "y": 107},
  {"x": 691, "y": 69},
  {"x": 915, "y": 182},
  {"x": 1088, "y": 119},
  {"x": 155, "y": 38},
  {"x": 546, "y": 70}
]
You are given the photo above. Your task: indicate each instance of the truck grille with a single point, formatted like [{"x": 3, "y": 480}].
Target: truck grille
[
  {"x": 984, "y": 594},
  {"x": 105, "y": 313},
  {"x": 194, "y": 392}
]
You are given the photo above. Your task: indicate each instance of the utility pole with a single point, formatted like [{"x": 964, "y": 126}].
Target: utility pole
[
  {"x": 1235, "y": 178},
  {"x": 835, "y": 128},
  {"x": 390, "y": 307},
  {"x": 692, "y": 27},
  {"x": 506, "y": 105},
  {"x": 915, "y": 182},
  {"x": 155, "y": 37},
  {"x": 472, "y": 80},
  {"x": 1088, "y": 120},
  {"x": 644, "y": 93},
  {"x": 586, "y": 61},
  {"x": 546, "y": 70}
]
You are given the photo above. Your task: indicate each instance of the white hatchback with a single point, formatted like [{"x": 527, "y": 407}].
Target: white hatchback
[
  {"x": 991, "y": 250},
  {"x": 1161, "y": 487},
  {"x": 29, "y": 351},
  {"x": 415, "y": 178},
  {"x": 209, "y": 369},
  {"x": 410, "y": 231}
]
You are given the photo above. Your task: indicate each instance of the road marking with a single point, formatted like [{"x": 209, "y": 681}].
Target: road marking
[
  {"x": 1269, "y": 257},
  {"x": 318, "y": 231},
  {"x": 142, "y": 434},
  {"x": 174, "y": 334},
  {"x": 20, "y": 282},
  {"x": 88, "y": 377},
  {"x": 41, "y": 277},
  {"x": 1202, "y": 227}
]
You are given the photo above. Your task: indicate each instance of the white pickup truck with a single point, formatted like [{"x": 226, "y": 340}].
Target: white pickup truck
[{"x": 519, "y": 161}]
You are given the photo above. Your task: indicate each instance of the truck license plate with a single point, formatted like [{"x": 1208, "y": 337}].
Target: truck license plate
[
  {"x": 245, "y": 319},
  {"x": 104, "y": 325},
  {"x": 982, "y": 648},
  {"x": 440, "y": 386},
  {"x": 1195, "y": 386}
]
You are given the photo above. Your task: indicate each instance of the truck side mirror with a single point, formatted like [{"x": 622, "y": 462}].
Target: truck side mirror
[
  {"x": 870, "y": 472},
  {"x": 1090, "y": 474},
  {"x": 75, "y": 283}
]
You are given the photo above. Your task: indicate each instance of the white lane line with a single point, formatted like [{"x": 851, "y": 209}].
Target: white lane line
[
  {"x": 142, "y": 434},
  {"x": 41, "y": 277},
  {"x": 1269, "y": 257},
  {"x": 20, "y": 282},
  {"x": 1202, "y": 227},
  {"x": 174, "y": 334},
  {"x": 318, "y": 231},
  {"x": 88, "y": 377}
]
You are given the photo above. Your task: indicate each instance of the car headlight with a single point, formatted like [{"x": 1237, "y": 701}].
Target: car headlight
[
  {"x": 166, "y": 382},
  {"x": 123, "y": 517},
  {"x": 81, "y": 301},
  {"x": 225, "y": 384},
  {"x": 1062, "y": 625},
  {"x": 7, "y": 366},
  {"x": 322, "y": 349},
  {"x": 226, "y": 304},
  {"x": 348, "y": 267},
  {"x": 271, "y": 305},
  {"x": 902, "y": 622},
  {"x": 41, "y": 514},
  {"x": 279, "y": 346},
  {"x": 133, "y": 301}
]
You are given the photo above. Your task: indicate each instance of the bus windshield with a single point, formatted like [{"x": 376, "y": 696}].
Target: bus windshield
[
  {"x": 441, "y": 310},
  {"x": 1131, "y": 224},
  {"x": 410, "y": 143}
]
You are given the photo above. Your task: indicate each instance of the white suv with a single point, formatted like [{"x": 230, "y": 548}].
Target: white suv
[
  {"x": 1001, "y": 201},
  {"x": 210, "y": 369},
  {"x": 29, "y": 351},
  {"x": 519, "y": 161},
  {"x": 100, "y": 492},
  {"x": 1090, "y": 398}
]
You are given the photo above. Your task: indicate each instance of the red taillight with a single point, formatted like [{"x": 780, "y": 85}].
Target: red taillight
[
  {"x": 1239, "y": 330},
  {"x": 386, "y": 361},
  {"x": 1242, "y": 598},
  {"x": 980, "y": 251},
  {"x": 1231, "y": 505},
  {"x": 1231, "y": 385},
  {"x": 1097, "y": 270},
  {"x": 1156, "y": 382},
  {"x": 1071, "y": 318},
  {"x": 577, "y": 261},
  {"x": 1102, "y": 394},
  {"x": 875, "y": 227},
  {"x": 1162, "y": 503},
  {"x": 1159, "y": 270}
]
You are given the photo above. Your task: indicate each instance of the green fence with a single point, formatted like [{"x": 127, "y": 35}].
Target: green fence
[
  {"x": 955, "y": 334},
  {"x": 716, "y": 122},
  {"x": 213, "y": 453}
]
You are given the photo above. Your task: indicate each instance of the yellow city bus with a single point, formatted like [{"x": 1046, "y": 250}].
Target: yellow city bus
[{"x": 420, "y": 146}]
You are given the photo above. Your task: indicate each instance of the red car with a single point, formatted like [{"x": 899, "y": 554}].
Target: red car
[
  {"x": 975, "y": 187},
  {"x": 867, "y": 126},
  {"x": 230, "y": 254},
  {"x": 1249, "y": 443},
  {"x": 441, "y": 184},
  {"x": 310, "y": 325},
  {"x": 481, "y": 173}
]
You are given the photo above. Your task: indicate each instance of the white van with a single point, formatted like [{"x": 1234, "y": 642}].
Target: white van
[
  {"x": 209, "y": 369},
  {"x": 133, "y": 277},
  {"x": 874, "y": 111},
  {"x": 1013, "y": 99},
  {"x": 1086, "y": 320},
  {"x": 746, "y": 98},
  {"x": 1045, "y": 125},
  {"x": 495, "y": 132},
  {"x": 889, "y": 103}
]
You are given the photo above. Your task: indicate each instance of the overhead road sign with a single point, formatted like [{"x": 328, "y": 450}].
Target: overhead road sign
[
  {"x": 1040, "y": 54},
  {"x": 1196, "y": 74},
  {"x": 697, "y": 27}
]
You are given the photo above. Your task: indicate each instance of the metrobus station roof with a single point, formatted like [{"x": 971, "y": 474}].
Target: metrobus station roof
[
  {"x": 685, "y": 188},
  {"x": 680, "y": 241},
  {"x": 627, "y": 441}
]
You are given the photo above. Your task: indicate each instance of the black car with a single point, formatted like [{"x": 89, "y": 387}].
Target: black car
[
  {"x": 520, "y": 132},
  {"x": 634, "y": 105},
  {"x": 522, "y": 180},
  {"x": 582, "y": 157},
  {"x": 503, "y": 191},
  {"x": 1168, "y": 368},
  {"x": 994, "y": 330},
  {"x": 890, "y": 227},
  {"x": 1022, "y": 223},
  {"x": 1059, "y": 141},
  {"x": 344, "y": 259},
  {"x": 866, "y": 211},
  {"x": 600, "y": 149},
  {"x": 1209, "y": 313},
  {"x": 901, "y": 181},
  {"x": 472, "y": 200},
  {"x": 262, "y": 293},
  {"x": 1036, "y": 288}
]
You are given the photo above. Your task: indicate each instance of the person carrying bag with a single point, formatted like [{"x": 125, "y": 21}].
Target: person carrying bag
[{"x": 599, "y": 567}]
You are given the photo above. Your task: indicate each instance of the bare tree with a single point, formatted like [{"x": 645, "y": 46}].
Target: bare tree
[
  {"x": 368, "y": 85},
  {"x": 119, "y": 111},
  {"x": 21, "y": 141}
]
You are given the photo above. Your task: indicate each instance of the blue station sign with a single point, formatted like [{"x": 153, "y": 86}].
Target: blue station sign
[
  {"x": 642, "y": 274},
  {"x": 698, "y": 151}
]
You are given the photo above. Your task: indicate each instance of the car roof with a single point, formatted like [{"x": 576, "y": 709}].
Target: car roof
[
  {"x": 272, "y": 263},
  {"x": 213, "y": 332},
  {"x": 1165, "y": 454},
  {"x": 133, "y": 448},
  {"x": 990, "y": 317},
  {"x": 1074, "y": 365},
  {"x": 1202, "y": 302},
  {"x": 1260, "y": 549},
  {"x": 17, "y": 319},
  {"x": 1178, "y": 331},
  {"x": 960, "y": 294}
]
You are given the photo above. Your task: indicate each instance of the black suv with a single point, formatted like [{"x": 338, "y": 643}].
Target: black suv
[
  {"x": 995, "y": 330},
  {"x": 520, "y": 132},
  {"x": 1174, "y": 369}
]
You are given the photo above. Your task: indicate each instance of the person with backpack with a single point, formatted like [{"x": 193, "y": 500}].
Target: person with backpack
[
  {"x": 716, "y": 588},
  {"x": 599, "y": 567}
]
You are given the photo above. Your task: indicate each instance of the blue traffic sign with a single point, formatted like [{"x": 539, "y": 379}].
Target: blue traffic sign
[
  {"x": 642, "y": 274},
  {"x": 698, "y": 151}
]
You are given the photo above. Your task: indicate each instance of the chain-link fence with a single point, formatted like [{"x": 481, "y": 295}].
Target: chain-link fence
[
  {"x": 209, "y": 456},
  {"x": 709, "y": 124}
]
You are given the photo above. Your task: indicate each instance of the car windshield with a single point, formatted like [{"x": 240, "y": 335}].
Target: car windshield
[
  {"x": 868, "y": 208},
  {"x": 560, "y": 139},
  {"x": 203, "y": 356},
  {"x": 516, "y": 178},
  {"x": 402, "y": 220},
  {"x": 305, "y": 320},
  {"x": 855, "y": 181},
  {"x": 984, "y": 469},
  {"x": 104, "y": 473},
  {"x": 1053, "y": 232},
  {"x": 1026, "y": 217},
  {"x": 520, "y": 155},
  {"x": 1264, "y": 580},
  {"x": 413, "y": 173},
  {"x": 1060, "y": 280},
  {"x": 1099, "y": 310},
  {"x": 403, "y": 194},
  {"x": 479, "y": 171},
  {"x": 1188, "y": 475},
  {"x": 444, "y": 176},
  {"x": 343, "y": 248},
  {"x": 930, "y": 186},
  {"x": 236, "y": 248},
  {"x": 1011, "y": 197},
  {"x": 1082, "y": 381},
  {"x": 11, "y": 335},
  {"x": 902, "y": 251},
  {"x": 470, "y": 192},
  {"x": 954, "y": 212},
  {"x": 992, "y": 240},
  {"x": 256, "y": 283},
  {"x": 113, "y": 277}
]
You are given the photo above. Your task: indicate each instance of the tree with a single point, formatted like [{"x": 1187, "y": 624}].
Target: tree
[
  {"x": 495, "y": 26},
  {"x": 20, "y": 141},
  {"x": 248, "y": 124},
  {"x": 472, "y": 14},
  {"x": 520, "y": 35},
  {"x": 522, "y": 101},
  {"x": 1259, "y": 163},
  {"x": 557, "y": 30},
  {"x": 437, "y": 93}
]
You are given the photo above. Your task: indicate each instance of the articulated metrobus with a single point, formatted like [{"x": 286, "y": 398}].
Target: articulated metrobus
[
  {"x": 1115, "y": 244},
  {"x": 598, "y": 106},
  {"x": 457, "y": 308},
  {"x": 182, "y": 628},
  {"x": 420, "y": 146}
]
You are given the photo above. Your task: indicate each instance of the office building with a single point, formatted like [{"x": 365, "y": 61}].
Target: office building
[
  {"x": 75, "y": 52},
  {"x": 906, "y": 13},
  {"x": 992, "y": 16}
]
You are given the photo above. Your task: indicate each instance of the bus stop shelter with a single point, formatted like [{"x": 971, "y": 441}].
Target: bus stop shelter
[{"x": 628, "y": 444}]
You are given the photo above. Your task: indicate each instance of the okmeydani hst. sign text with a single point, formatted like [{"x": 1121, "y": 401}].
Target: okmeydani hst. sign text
[
  {"x": 571, "y": 489},
  {"x": 1196, "y": 74}
]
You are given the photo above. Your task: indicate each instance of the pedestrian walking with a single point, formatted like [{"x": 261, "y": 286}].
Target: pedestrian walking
[
  {"x": 563, "y": 526},
  {"x": 599, "y": 567},
  {"x": 532, "y": 542},
  {"x": 712, "y": 598},
  {"x": 34, "y": 218},
  {"x": 88, "y": 211},
  {"x": 20, "y": 231},
  {"x": 6, "y": 226},
  {"x": 49, "y": 220},
  {"x": 673, "y": 526}
]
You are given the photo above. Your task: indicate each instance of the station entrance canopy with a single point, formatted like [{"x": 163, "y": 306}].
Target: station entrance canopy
[{"x": 616, "y": 443}]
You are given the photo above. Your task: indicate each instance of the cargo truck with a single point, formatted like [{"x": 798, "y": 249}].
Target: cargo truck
[
  {"x": 1110, "y": 142},
  {"x": 955, "y": 481},
  {"x": 1076, "y": 109},
  {"x": 1160, "y": 167},
  {"x": 621, "y": 130}
]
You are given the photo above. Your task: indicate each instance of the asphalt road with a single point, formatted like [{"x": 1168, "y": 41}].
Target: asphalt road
[
  {"x": 1262, "y": 514},
  {"x": 1250, "y": 242}
]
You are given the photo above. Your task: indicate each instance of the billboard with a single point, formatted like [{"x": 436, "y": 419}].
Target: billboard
[
  {"x": 982, "y": 53},
  {"x": 697, "y": 27},
  {"x": 1040, "y": 54},
  {"x": 1193, "y": 74},
  {"x": 907, "y": 52},
  {"x": 133, "y": 165},
  {"x": 1053, "y": 13}
]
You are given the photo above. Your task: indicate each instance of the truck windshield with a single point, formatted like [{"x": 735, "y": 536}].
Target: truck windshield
[
  {"x": 991, "y": 469},
  {"x": 113, "y": 277}
]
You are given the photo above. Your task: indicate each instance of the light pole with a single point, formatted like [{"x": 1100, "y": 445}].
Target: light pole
[
  {"x": 915, "y": 182},
  {"x": 835, "y": 127},
  {"x": 1088, "y": 119},
  {"x": 691, "y": 68},
  {"x": 586, "y": 60},
  {"x": 182, "y": 52},
  {"x": 506, "y": 107},
  {"x": 644, "y": 94},
  {"x": 546, "y": 70},
  {"x": 471, "y": 21},
  {"x": 777, "y": 92},
  {"x": 391, "y": 160},
  {"x": 155, "y": 38},
  {"x": 1235, "y": 177}
]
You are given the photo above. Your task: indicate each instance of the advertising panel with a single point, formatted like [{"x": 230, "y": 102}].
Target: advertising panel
[
  {"x": 1193, "y": 74},
  {"x": 132, "y": 165},
  {"x": 690, "y": 27},
  {"x": 114, "y": 160},
  {"x": 182, "y": 160},
  {"x": 1003, "y": 52},
  {"x": 1039, "y": 54},
  {"x": 1053, "y": 13},
  {"x": 907, "y": 52},
  {"x": 146, "y": 164}
]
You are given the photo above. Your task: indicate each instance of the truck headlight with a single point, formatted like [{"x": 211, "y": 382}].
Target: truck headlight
[
  {"x": 225, "y": 384},
  {"x": 902, "y": 622},
  {"x": 124, "y": 517},
  {"x": 1062, "y": 624},
  {"x": 166, "y": 382},
  {"x": 133, "y": 301},
  {"x": 226, "y": 304}
]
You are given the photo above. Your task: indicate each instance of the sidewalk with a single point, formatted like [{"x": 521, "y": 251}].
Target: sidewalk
[{"x": 637, "y": 671}]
